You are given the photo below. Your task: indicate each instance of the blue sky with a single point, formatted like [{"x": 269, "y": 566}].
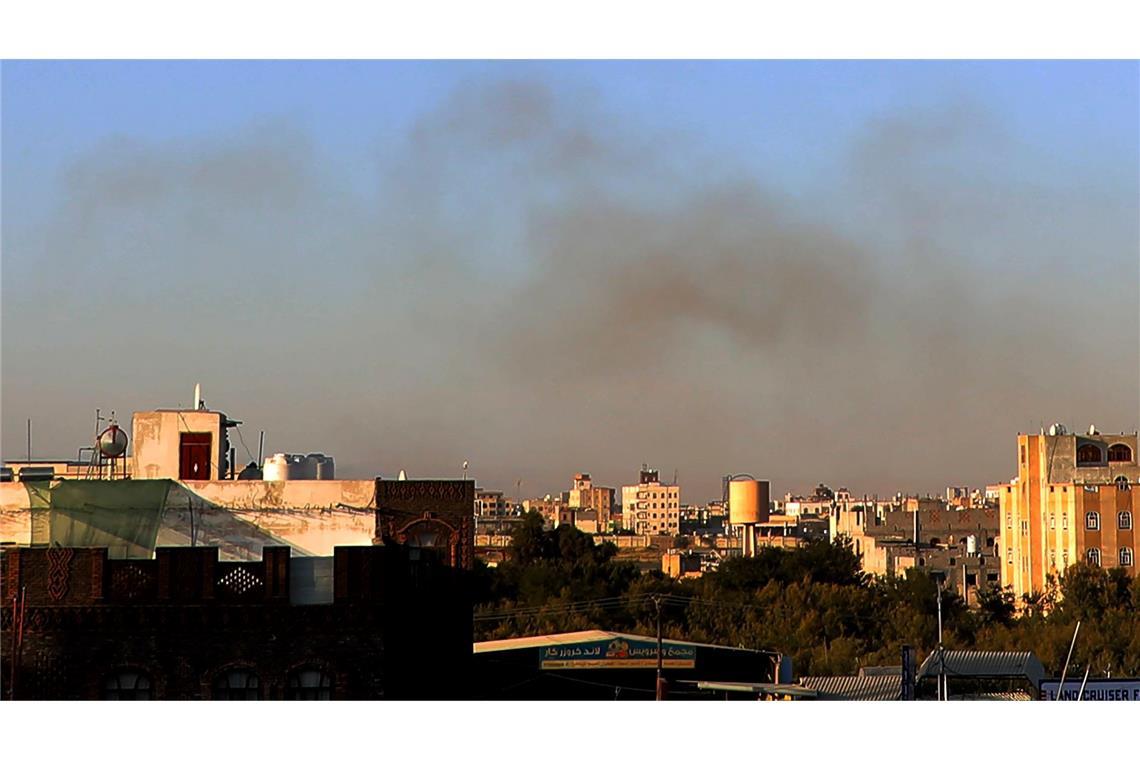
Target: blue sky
[
  {"x": 787, "y": 118},
  {"x": 996, "y": 181}
]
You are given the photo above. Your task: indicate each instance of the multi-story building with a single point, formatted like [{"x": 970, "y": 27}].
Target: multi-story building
[
  {"x": 587, "y": 496},
  {"x": 548, "y": 507},
  {"x": 1074, "y": 499},
  {"x": 957, "y": 545},
  {"x": 492, "y": 504},
  {"x": 651, "y": 507}
]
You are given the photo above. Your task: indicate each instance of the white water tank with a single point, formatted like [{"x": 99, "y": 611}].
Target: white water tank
[
  {"x": 298, "y": 467},
  {"x": 276, "y": 468}
]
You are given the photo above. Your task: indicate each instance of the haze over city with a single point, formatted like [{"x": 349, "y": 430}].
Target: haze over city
[{"x": 873, "y": 274}]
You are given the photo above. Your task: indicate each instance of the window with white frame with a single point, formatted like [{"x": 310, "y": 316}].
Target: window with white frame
[
  {"x": 1092, "y": 521},
  {"x": 1124, "y": 520},
  {"x": 1093, "y": 557},
  {"x": 1125, "y": 557}
]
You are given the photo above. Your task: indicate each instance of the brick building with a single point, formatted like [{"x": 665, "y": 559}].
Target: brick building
[
  {"x": 370, "y": 622},
  {"x": 433, "y": 514}
]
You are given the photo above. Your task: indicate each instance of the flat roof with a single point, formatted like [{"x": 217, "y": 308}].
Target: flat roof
[{"x": 586, "y": 637}]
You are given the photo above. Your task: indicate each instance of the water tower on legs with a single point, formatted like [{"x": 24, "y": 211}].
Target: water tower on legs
[{"x": 748, "y": 500}]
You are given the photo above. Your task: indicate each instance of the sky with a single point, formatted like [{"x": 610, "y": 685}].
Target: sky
[{"x": 869, "y": 274}]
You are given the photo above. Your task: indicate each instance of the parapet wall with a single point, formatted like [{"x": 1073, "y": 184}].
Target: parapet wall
[{"x": 241, "y": 516}]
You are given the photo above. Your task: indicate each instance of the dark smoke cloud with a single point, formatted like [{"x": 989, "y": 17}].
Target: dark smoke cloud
[{"x": 540, "y": 288}]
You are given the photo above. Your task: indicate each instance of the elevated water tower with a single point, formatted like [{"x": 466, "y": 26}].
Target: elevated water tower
[{"x": 748, "y": 501}]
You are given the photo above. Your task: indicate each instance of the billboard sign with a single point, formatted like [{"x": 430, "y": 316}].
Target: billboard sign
[
  {"x": 616, "y": 653},
  {"x": 1096, "y": 690}
]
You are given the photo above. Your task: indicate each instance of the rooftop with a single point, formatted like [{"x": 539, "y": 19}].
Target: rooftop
[{"x": 585, "y": 637}]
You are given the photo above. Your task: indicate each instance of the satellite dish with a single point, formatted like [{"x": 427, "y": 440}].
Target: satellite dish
[
  {"x": 402, "y": 476},
  {"x": 1093, "y": 430}
]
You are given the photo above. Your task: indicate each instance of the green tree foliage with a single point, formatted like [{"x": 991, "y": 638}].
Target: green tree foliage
[{"x": 812, "y": 603}]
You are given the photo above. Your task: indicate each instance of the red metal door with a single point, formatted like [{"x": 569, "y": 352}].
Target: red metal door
[{"x": 194, "y": 456}]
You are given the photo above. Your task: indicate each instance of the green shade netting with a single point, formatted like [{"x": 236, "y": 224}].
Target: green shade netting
[{"x": 123, "y": 515}]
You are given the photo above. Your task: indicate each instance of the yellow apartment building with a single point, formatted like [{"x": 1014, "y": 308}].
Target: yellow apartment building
[{"x": 1075, "y": 499}]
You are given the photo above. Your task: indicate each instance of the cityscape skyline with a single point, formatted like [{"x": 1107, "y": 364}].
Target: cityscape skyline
[{"x": 871, "y": 274}]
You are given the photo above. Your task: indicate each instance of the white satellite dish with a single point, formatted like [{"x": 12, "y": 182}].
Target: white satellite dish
[{"x": 402, "y": 476}]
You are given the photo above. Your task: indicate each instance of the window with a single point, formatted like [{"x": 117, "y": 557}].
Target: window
[
  {"x": 1053, "y": 558},
  {"x": 237, "y": 684},
  {"x": 1065, "y": 558},
  {"x": 1092, "y": 521},
  {"x": 1093, "y": 556},
  {"x": 1065, "y": 521},
  {"x": 1025, "y": 527},
  {"x": 1124, "y": 520},
  {"x": 310, "y": 684},
  {"x": 1121, "y": 482},
  {"x": 1088, "y": 453},
  {"x": 1009, "y": 520},
  {"x": 1009, "y": 556},
  {"x": 1126, "y": 557},
  {"x": 1052, "y": 522},
  {"x": 1118, "y": 452},
  {"x": 127, "y": 685}
]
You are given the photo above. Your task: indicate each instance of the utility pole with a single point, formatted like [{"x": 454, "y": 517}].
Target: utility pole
[
  {"x": 660, "y": 653},
  {"x": 1073, "y": 643},
  {"x": 941, "y": 652}
]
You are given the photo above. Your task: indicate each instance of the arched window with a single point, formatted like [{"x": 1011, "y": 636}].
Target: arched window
[
  {"x": 1121, "y": 482},
  {"x": 237, "y": 684},
  {"x": 1126, "y": 557},
  {"x": 1119, "y": 452},
  {"x": 308, "y": 683},
  {"x": 127, "y": 685},
  {"x": 1092, "y": 521},
  {"x": 1093, "y": 556},
  {"x": 1088, "y": 453},
  {"x": 1124, "y": 520}
]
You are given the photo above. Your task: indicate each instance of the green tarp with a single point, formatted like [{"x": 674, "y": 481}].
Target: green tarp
[{"x": 122, "y": 515}]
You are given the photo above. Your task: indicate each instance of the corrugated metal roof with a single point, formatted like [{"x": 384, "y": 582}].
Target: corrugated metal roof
[
  {"x": 783, "y": 689},
  {"x": 585, "y": 637},
  {"x": 881, "y": 670},
  {"x": 970, "y": 664},
  {"x": 858, "y": 688}
]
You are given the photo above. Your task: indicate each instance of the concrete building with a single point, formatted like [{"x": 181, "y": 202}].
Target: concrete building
[
  {"x": 1075, "y": 499},
  {"x": 651, "y": 507},
  {"x": 181, "y": 444},
  {"x": 492, "y": 504},
  {"x": 586, "y": 495},
  {"x": 959, "y": 546}
]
